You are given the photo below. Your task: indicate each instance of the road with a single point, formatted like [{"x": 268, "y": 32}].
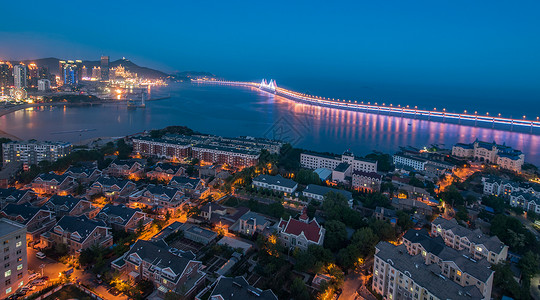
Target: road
[{"x": 52, "y": 269}]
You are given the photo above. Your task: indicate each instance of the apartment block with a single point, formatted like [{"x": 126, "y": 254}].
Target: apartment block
[
  {"x": 477, "y": 244},
  {"x": 14, "y": 265},
  {"x": 33, "y": 152}
]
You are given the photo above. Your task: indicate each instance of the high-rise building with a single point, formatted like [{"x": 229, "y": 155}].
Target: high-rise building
[
  {"x": 6, "y": 74},
  {"x": 32, "y": 75},
  {"x": 43, "y": 72},
  {"x": 84, "y": 72},
  {"x": 105, "y": 68},
  {"x": 96, "y": 73},
  {"x": 69, "y": 72},
  {"x": 44, "y": 85},
  {"x": 19, "y": 76},
  {"x": 14, "y": 267}
]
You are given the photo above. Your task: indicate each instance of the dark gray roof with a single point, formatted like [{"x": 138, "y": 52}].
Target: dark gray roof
[
  {"x": 323, "y": 190},
  {"x": 157, "y": 254},
  {"x": 69, "y": 201},
  {"x": 127, "y": 162},
  {"x": 81, "y": 225},
  {"x": 492, "y": 243},
  {"x": 276, "y": 180},
  {"x": 25, "y": 210},
  {"x": 427, "y": 276},
  {"x": 431, "y": 245},
  {"x": 110, "y": 181},
  {"x": 168, "y": 166},
  {"x": 238, "y": 288},
  {"x": 13, "y": 192},
  {"x": 119, "y": 211},
  {"x": 81, "y": 170},
  {"x": 185, "y": 181},
  {"x": 161, "y": 190},
  {"x": 342, "y": 167},
  {"x": 53, "y": 176}
]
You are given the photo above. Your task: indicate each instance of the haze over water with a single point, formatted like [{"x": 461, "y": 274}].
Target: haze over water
[{"x": 233, "y": 111}]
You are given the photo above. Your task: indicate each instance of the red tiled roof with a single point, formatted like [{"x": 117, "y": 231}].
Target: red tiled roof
[{"x": 311, "y": 230}]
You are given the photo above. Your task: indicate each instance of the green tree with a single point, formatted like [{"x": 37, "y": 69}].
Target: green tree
[
  {"x": 299, "y": 290},
  {"x": 336, "y": 235},
  {"x": 529, "y": 265}
]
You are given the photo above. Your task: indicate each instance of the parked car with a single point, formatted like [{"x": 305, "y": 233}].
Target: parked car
[
  {"x": 114, "y": 291},
  {"x": 33, "y": 276},
  {"x": 40, "y": 255}
]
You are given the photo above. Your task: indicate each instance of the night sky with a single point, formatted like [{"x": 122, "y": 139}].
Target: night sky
[{"x": 435, "y": 43}]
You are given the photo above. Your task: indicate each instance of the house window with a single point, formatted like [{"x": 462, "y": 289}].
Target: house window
[
  {"x": 7, "y": 273},
  {"x": 8, "y": 290},
  {"x": 19, "y": 267},
  {"x": 19, "y": 243}
]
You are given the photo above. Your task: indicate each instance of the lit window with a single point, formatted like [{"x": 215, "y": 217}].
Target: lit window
[
  {"x": 7, "y": 273},
  {"x": 458, "y": 273},
  {"x": 19, "y": 267},
  {"x": 19, "y": 243},
  {"x": 8, "y": 290}
]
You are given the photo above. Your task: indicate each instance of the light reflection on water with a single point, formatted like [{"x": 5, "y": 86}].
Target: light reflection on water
[{"x": 233, "y": 111}]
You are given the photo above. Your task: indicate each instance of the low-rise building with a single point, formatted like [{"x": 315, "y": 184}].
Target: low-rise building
[
  {"x": 315, "y": 161},
  {"x": 52, "y": 183},
  {"x": 123, "y": 218},
  {"x": 275, "y": 183},
  {"x": 168, "y": 272},
  {"x": 300, "y": 233},
  {"x": 166, "y": 171},
  {"x": 385, "y": 214},
  {"x": 69, "y": 205},
  {"x": 36, "y": 220},
  {"x": 16, "y": 196},
  {"x": 125, "y": 168},
  {"x": 252, "y": 222},
  {"x": 14, "y": 267},
  {"x": 84, "y": 174},
  {"x": 237, "y": 288},
  {"x": 158, "y": 197},
  {"x": 111, "y": 187},
  {"x": 198, "y": 234},
  {"x": 317, "y": 192},
  {"x": 474, "y": 241},
  {"x": 78, "y": 233},
  {"x": 408, "y": 161},
  {"x": 366, "y": 181},
  {"x": 504, "y": 156}
]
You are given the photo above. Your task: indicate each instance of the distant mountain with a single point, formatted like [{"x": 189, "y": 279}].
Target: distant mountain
[{"x": 53, "y": 64}]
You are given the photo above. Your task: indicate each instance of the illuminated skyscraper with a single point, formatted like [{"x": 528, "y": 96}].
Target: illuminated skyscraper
[
  {"x": 32, "y": 74},
  {"x": 84, "y": 72},
  {"x": 19, "y": 76},
  {"x": 96, "y": 73},
  {"x": 43, "y": 72},
  {"x": 69, "y": 72},
  {"x": 6, "y": 75},
  {"x": 105, "y": 68}
]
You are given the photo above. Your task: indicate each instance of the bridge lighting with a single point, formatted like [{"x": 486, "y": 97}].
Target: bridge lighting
[
  {"x": 487, "y": 114},
  {"x": 434, "y": 108},
  {"x": 407, "y": 106},
  {"x": 524, "y": 117},
  {"x": 465, "y": 111},
  {"x": 499, "y": 114}
]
